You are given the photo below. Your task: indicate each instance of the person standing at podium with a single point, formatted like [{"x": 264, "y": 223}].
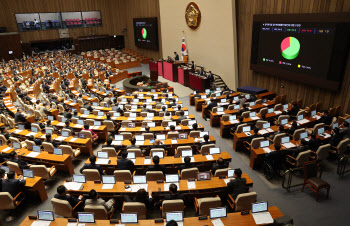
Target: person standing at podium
[{"x": 176, "y": 58}]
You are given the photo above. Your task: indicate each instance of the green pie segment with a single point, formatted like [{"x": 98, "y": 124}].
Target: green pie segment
[{"x": 290, "y": 48}]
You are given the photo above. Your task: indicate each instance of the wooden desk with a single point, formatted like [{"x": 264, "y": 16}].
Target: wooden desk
[
  {"x": 200, "y": 102},
  {"x": 118, "y": 77},
  {"x": 85, "y": 145},
  {"x": 36, "y": 184},
  {"x": 268, "y": 95},
  {"x": 237, "y": 218},
  {"x": 159, "y": 129},
  {"x": 170, "y": 70},
  {"x": 198, "y": 82},
  {"x": 61, "y": 162}
]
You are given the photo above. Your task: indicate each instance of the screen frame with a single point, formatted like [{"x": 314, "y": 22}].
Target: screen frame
[{"x": 148, "y": 20}]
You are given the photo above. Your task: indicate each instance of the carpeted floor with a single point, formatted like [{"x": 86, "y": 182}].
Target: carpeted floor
[{"x": 301, "y": 206}]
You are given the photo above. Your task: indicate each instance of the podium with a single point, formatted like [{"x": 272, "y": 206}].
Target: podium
[
  {"x": 170, "y": 70},
  {"x": 153, "y": 68},
  {"x": 198, "y": 82},
  {"x": 160, "y": 68},
  {"x": 183, "y": 74}
]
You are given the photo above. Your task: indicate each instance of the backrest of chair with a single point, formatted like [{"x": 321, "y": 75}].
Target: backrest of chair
[
  {"x": 154, "y": 175},
  {"x": 88, "y": 134},
  {"x": 125, "y": 122},
  {"x": 137, "y": 151},
  {"x": 3, "y": 138},
  {"x": 136, "y": 207},
  {"x": 263, "y": 111},
  {"x": 157, "y": 150},
  {"x": 189, "y": 173},
  {"x": 184, "y": 122},
  {"x": 62, "y": 207},
  {"x": 281, "y": 117},
  {"x": 317, "y": 126},
  {"x": 278, "y": 107},
  {"x": 310, "y": 170},
  {"x": 126, "y": 135},
  {"x": 109, "y": 124},
  {"x": 29, "y": 144},
  {"x": 302, "y": 158},
  {"x": 67, "y": 130},
  {"x": 111, "y": 151},
  {"x": 122, "y": 175},
  {"x": 67, "y": 149},
  {"x": 244, "y": 201},
  {"x": 278, "y": 137},
  {"x": 225, "y": 117},
  {"x": 36, "y": 126},
  {"x": 221, "y": 172},
  {"x": 90, "y": 122},
  {"x": 100, "y": 212},
  {"x": 206, "y": 203},
  {"x": 260, "y": 123},
  {"x": 91, "y": 174},
  {"x": 148, "y": 136},
  {"x": 301, "y": 112},
  {"x": 205, "y": 148},
  {"x": 258, "y": 102},
  {"x": 172, "y": 205},
  {"x": 323, "y": 152},
  {"x": 256, "y": 142},
  {"x": 165, "y": 123},
  {"x": 181, "y": 148},
  {"x": 240, "y": 127},
  {"x": 40, "y": 171},
  {"x": 215, "y": 109},
  {"x": 6, "y": 201},
  {"x": 342, "y": 146},
  {"x": 14, "y": 140},
  {"x": 297, "y": 132},
  {"x": 171, "y": 135},
  {"x": 48, "y": 147},
  {"x": 246, "y": 114},
  {"x": 13, "y": 166}
]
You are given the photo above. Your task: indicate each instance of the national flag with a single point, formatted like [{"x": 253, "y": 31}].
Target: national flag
[{"x": 183, "y": 48}]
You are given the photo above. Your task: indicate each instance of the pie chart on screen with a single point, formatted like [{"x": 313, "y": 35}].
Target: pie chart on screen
[
  {"x": 290, "y": 48},
  {"x": 144, "y": 33}
]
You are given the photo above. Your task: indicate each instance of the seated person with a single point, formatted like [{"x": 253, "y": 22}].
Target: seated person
[
  {"x": 167, "y": 117},
  {"x": 92, "y": 165},
  {"x": 37, "y": 141},
  {"x": 238, "y": 185},
  {"x": 141, "y": 196},
  {"x": 73, "y": 201},
  {"x": 19, "y": 117},
  {"x": 13, "y": 185},
  {"x": 36, "y": 121},
  {"x": 95, "y": 200},
  {"x": 280, "y": 130},
  {"x": 55, "y": 143},
  {"x": 49, "y": 125},
  {"x": 133, "y": 144},
  {"x": 158, "y": 144},
  {"x": 325, "y": 118},
  {"x": 345, "y": 132},
  {"x": 220, "y": 164},
  {"x": 182, "y": 116},
  {"x": 205, "y": 142},
  {"x": 2, "y": 176},
  {"x": 293, "y": 128},
  {"x": 156, "y": 166},
  {"x": 109, "y": 144},
  {"x": 87, "y": 128},
  {"x": 275, "y": 158},
  {"x": 173, "y": 104},
  {"x": 314, "y": 143},
  {"x": 14, "y": 158},
  {"x": 255, "y": 135},
  {"x": 336, "y": 137},
  {"x": 187, "y": 165},
  {"x": 294, "y": 152},
  {"x": 67, "y": 126},
  {"x": 212, "y": 105},
  {"x": 124, "y": 163},
  {"x": 67, "y": 113},
  {"x": 234, "y": 128},
  {"x": 173, "y": 194},
  {"x": 294, "y": 111}
]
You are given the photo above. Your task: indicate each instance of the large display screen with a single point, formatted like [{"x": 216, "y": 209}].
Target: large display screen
[
  {"x": 309, "y": 52},
  {"x": 146, "y": 33}
]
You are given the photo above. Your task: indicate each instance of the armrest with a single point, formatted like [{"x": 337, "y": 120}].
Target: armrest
[
  {"x": 14, "y": 199},
  {"x": 76, "y": 205},
  {"x": 289, "y": 156},
  {"x": 51, "y": 168},
  {"x": 246, "y": 142},
  {"x": 196, "y": 205},
  {"x": 133, "y": 174},
  {"x": 123, "y": 207},
  {"x": 178, "y": 172},
  {"x": 230, "y": 198}
]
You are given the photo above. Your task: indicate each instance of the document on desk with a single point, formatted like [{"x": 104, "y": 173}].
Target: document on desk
[
  {"x": 123, "y": 129},
  {"x": 267, "y": 150},
  {"x": 102, "y": 161},
  {"x": 166, "y": 186},
  {"x": 95, "y": 127},
  {"x": 74, "y": 186},
  {"x": 72, "y": 224},
  {"x": 228, "y": 180},
  {"x": 220, "y": 113},
  {"x": 6, "y": 149},
  {"x": 234, "y": 122},
  {"x": 178, "y": 127},
  {"x": 33, "y": 154},
  {"x": 133, "y": 160},
  {"x": 60, "y": 124},
  {"x": 78, "y": 126},
  {"x": 136, "y": 187},
  {"x": 116, "y": 142},
  {"x": 174, "y": 141},
  {"x": 270, "y": 130},
  {"x": 278, "y": 112},
  {"x": 217, "y": 222},
  {"x": 131, "y": 119},
  {"x": 147, "y": 161},
  {"x": 262, "y": 132},
  {"x": 139, "y": 142},
  {"x": 262, "y": 218},
  {"x": 326, "y": 135},
  {"x": 209, "y": 157},
  {"x": 60, "y": 138},
  {"x": 30, "y": 134},
  {"x": 191, "y": 185},
  {"x": 255, "y": 118},
  {"x": 107, "y": 186},
  {"x": 17, "y": 131},
  {"x": 73, "y": 139},
  {"x": 149, "y": 118},
  {"x": 41, "y": 223},
  {"x": 288, "y": 145},
  {"x": 83, "y": 116}
]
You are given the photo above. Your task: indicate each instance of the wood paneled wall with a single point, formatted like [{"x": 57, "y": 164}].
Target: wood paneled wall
[
  {"x": 245, "y": 11},
  {"x": 116, "y": 14}
]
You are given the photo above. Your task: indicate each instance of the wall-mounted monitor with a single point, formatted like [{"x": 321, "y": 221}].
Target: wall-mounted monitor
[
  {"x": 307, "y": 48},
  {"x": 146, "y": 33},
  {"x": 91, "y": 18}
]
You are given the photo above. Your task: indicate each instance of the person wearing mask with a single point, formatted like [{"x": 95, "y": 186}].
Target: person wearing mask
[
  {"x": 220, "y": 164},
  {"x": 73, "y": 201},
  {"x": 238, "y": 185},
  {"x": 124, "y": 163},
  {"x": 156, "y": 166},
  {"x": 92, "y": 165},
  {"x": 95, "y": 200}
]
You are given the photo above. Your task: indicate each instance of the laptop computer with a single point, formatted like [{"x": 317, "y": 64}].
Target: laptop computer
[
  {"x": 285, "y": 140},
  {"x": 215, "y": 150},
  {"x": 232, "y": 117},
  {"x": 118, "y": 137},
  {"x": 246, "y": 129},
  {"x": 252, "y": 114},
  {"x": 80, "y": 122},
  {"x": 86, "y": 112},
  {"x": 303, "y": 135},
  {"x": 102, "y": 155},
  {"x": 217, "y": 212},
  {"x": 264, "y": 143},
  {"x": 247, "y": 96},
  {"x": 201, "y": 134},
  {"x": 131, "y": 125},
  {"x": 139, "y": 179},
  {"x": 284, "y": 121},
  {"x": 48, "y": 131},
  {"x": 183, "y": 135},
  {"x": 172, "y": 178},
  {"x": 320, "y": 131},
  {"x": 266, "y": 125},
  {"x": 285, "y": 106},
  {"x": 79, "y": 178},
  {"x": 97, "y": 123},
  {"x": 128, "y": 218},
  {"x": 6, "y": 168},
  {"x": 36, "y": 148},
  {"x": 160, "y": 154},
  {"x": 65, "y": 134},
  {"x": 161, "y": 136},
  {"x": 131, "y": 155},
  {"x": 86, "y": 217},
  {"x": 203, "y": 176},
  {"x": 177, "y": 216},
  {"x": 20, "y": 127},
  {"x": 230, "y": 173},
  {"x": 236, "y": 107},
  {"x": 45, "y": 215},
  {"x": 251, "y": 104},
  {"x": 270, "y": 110},
  {"x": 191, "y": 122},
  {"x": 57, "y": 151},
  {"x": 82, "y": 135},
  {"x": 172, "y": 124},
  {"x": 108, "y": 179},
  {"x": 259, "y": 207},
  {"x": 313, "y": 113},
  {"x": 220, "y": 109},
  {"x": 34, "y": 129},
  {"x": 335, "y": 125},
  {"x": 28, "y": 173},
  {"x": 16, "y": 145},
  {"x": 50, "y": 117},
  {"x": 185, "y": 153},
  {"x": 300, "y": 117}
]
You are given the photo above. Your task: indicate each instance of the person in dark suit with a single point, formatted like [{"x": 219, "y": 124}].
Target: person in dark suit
[
  {"x": 92, "y": 165},
  {"x": 244, "y": 109},
  {"x": 234, "y": 128},
  {"x": 19, "y": 117},
  {"x": 124, "y": 163},
  {"x": 3, "y": 157},
  {"x": 182, "y": 116},
  {"x": 67, "y": 113},
  {"x": 238, "y": 185},
  {"x": 156, "y": 166},
  {"x": 188, "y": 164},
  {"x": 36, "y": 121},
  {"x": 173, "y": 194},
  {"x": 275, "y": 158},
  {"x": 335, "y": 138},
  {"x": 14, "y": 158},
  {"x": 132, "y": 146},
  {"x": 55, "y": 143},
  {"x": 206, "y": 141},
  {"x": 326, "y": 118},
  {"x": 141, "y": 196},
  {"x": 109, "y": 145},
  {"x": 211, "y": 77},
  {"x": 73, "y": 201},
  {"x": 294, "y": 152},
  {"x": 345, "y": 132},
  {"x": 255, "y": 135},
  {"x": 12, "y": 185},
  {"x": 294, "y": 111},
  {"x": 314, "y": 143},
  {"x": 2, "y": 175},
  {"x": 176, "y": 58},
  {"x": 212, "y": 105},
  {"x": 220, "y": 164},
  {"x": 292, "y": 129},
  {"x": 67, "y": 126},
  {"x": 280, "y": 130}
]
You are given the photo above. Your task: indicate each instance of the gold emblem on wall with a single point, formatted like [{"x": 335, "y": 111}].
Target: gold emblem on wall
[{"x": 193, "y": 15}]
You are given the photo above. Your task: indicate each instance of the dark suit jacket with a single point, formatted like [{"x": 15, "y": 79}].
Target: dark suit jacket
[
  {"x": 111, "y": 146},
  {"x": 249, "y": 140},
  {"x": 67, "y": 115},
  {"x": 172, "y": 197},
  {"x": 216, "y": 167},
  {"x": 237, "y": 186},
  {"x": 21, "y": 164},
  {"x": 3, "y": 158},
  {"x": 125, "y": 164},
  {"x": 295, "y": 151},
  {"x": 314, "y": 144},
  {"x": 294, "y": 111},
  {"x": 177, "y": 58},
  {"x": 19, "y": 118},
  {"x": 188, "y": 166},
  {"x": 181, "y": 118},
  {"x": 155, "y": 168},
  {"x": 159, "y": 146},
  {"x": 147, "y": 201},
  {"x": 335, "y": 139},
  {"x": 91, "y": 166},
  {"x": 345, "y": 132},
  {"x": 211, "y": 105},
  {"x": 13, "y": 186},
  {"x": 73, "y": 201}
]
